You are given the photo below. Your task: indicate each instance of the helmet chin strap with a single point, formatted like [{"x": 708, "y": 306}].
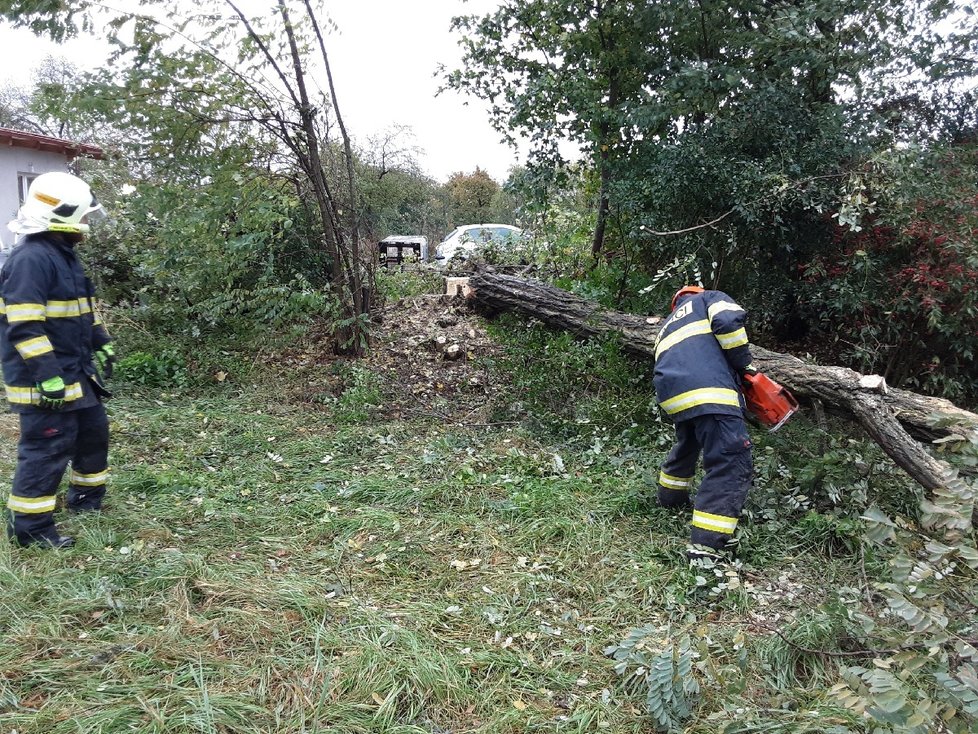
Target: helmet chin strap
[
  {"x": 24, "y": 225},
  {"x": 70, "y": 238}
]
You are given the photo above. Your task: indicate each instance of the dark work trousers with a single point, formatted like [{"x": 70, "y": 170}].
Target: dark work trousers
[
  {"x": 49, "y": 441},
  {"x": 728, "y": 475}
]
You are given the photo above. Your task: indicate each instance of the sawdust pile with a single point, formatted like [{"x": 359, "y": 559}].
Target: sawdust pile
[
  {"x": 433, "y": 352},
  {"x": 430, "y": 355}
]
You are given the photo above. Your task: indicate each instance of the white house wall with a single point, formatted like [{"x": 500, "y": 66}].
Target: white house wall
[{"x": 15, "y": 160}]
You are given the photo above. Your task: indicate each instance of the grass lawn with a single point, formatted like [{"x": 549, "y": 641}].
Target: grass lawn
[{"x": 267, "y": 563}]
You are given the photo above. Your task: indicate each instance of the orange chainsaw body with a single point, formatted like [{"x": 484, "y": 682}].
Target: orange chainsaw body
[{"x": 768, "y": 401}]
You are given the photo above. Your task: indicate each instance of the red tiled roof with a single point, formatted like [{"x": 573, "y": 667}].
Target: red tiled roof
[{"x": 22, "y": 139}]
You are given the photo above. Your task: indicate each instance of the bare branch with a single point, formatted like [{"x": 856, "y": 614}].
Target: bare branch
[
  {"x": 347, "y": 147},
  {"x": 688, "y": 229},
  {"x": 780, "y": 190},
  {"x": 272, "y": 61}
]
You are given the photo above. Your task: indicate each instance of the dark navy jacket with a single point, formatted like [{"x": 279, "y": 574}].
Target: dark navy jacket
[
  {"x": 700, "y": 353},
  {"x": 48, "y": 325}
]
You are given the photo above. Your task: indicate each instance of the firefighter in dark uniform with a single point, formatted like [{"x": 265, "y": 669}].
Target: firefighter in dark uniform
[
  {"x": 50, "y": 338},
  {"x": 701, "y": 355}
]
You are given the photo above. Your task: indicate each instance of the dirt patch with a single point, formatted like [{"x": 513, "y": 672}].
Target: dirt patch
[
  {"x": 429, "y": 352},
  {"x": 433, "y": 352}
]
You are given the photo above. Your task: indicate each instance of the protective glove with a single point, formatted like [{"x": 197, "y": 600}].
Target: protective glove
[
  {"x": 106, "y": 360},
  {"x": 749, "y": 370},
  {"x": 52, "y": 393}
]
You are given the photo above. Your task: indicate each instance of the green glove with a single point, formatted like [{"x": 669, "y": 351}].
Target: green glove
[
  {"x": 52, "y": 393},
  {"x": 106, "y": 360}
]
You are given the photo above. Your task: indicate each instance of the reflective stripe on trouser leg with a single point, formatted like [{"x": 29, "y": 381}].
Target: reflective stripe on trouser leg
[
  {"x": 47, "y": 440},
  {"x": 89, "y": 464},
  {"x": 728, "y": 475},
  {"x": 676, "y": 472}
]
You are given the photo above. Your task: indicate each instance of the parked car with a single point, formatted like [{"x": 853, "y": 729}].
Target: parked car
[{"x": 462, "y": 241}]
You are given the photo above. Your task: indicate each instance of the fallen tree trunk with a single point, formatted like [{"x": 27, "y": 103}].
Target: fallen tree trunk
[{"x": 893, "y": 418}]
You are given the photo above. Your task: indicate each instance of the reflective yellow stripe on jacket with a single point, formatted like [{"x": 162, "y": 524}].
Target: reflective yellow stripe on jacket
[
  {"x": 733, "y": 339},
  {"x": 66, "y": 309},
  {"x": 17, "y": 312},
  {"x": 34, "y": 347},
  {"x": 720, "y": 307},
  {"x": 695, "y": 328},
  {"x": 702, "y": 396},
  {"x": 31, "y": 396}
]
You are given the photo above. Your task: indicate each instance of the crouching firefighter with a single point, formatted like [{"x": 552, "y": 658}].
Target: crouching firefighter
[
  {"x": 50, "y": 338},
  {"x": 701, "y": 355}
]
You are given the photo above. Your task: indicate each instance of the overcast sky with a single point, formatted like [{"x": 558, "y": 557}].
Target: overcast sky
[{"x": 384, "y": 57}]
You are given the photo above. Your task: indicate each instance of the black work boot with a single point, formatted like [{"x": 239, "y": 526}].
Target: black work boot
[
  {"x": 704, "y": 555},
  {"x": 49, "y": 538},
  {"x": 710, "y": 544},
  {"x": 90, "y": 501},
  {"x": 49, "y": 541}
]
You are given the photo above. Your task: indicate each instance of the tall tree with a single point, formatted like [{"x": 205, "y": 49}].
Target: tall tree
[
  {"x": 616, "y": 76},
  {"x": 188, "y": 82},
  {"x": 398, "y": 198},
  {"x": 472, "y": 196},
  {"x": 559, "y": 71},
  {"x": 44, "y": 106}
]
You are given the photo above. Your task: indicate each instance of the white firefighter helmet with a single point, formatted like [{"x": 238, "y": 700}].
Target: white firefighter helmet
[{"x": 56, "y": 202}]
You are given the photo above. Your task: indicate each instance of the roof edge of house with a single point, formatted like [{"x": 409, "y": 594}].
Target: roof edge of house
[{"x": 23, "y": 139}]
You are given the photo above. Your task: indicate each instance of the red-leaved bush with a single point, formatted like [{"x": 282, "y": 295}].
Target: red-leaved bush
[{"x": 901, "y": 299}]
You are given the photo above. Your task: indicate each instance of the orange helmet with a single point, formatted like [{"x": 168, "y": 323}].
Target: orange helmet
[{"x": 684, "y": 291}]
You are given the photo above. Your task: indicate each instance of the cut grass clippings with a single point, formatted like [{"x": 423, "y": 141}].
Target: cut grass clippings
[{"x": 259, "y": 568}]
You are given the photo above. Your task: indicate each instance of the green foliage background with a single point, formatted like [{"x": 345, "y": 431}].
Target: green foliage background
[{"x": 751, "y": 142}]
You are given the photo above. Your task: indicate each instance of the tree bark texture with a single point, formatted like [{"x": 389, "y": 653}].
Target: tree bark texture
[{"x": 893, "y": 418}]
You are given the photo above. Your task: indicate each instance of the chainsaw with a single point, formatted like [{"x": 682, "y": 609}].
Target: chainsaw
[{"x": 770, "y": 403}]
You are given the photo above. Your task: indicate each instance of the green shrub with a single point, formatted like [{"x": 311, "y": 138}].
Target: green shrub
[
  {"x": 166, "y": 369},
  {"x": 228, "y": 250},
  {"x": 569, "y": 385},
  {"x": 829, "y": 534},
  {"x": 393, "y": 284},
  {"x": 360, "y": 395},
  {"x": 896, "y": 295}
]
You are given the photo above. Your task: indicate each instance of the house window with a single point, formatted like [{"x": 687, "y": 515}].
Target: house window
[{"x": 24, "y": 181}]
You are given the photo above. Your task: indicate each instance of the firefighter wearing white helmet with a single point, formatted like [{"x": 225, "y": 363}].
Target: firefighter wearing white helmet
[
  {"x": 56, "y": 202},
  {"x": 55, "y": 352}
]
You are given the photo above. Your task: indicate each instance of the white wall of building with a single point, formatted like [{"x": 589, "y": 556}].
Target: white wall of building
[{"x": 15, "y": 162}]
